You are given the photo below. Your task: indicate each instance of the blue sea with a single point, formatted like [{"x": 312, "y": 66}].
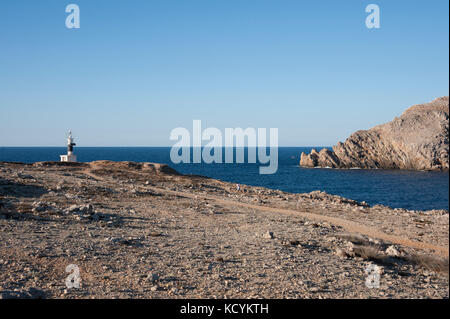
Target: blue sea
[{"x": 395, "y": 188}]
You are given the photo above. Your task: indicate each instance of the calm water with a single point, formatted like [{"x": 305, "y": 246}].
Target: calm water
[{"x": 405, "y": 189}]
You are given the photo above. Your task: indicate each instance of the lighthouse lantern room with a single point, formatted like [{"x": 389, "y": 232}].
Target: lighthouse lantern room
[{"x": 70, "y": 157}]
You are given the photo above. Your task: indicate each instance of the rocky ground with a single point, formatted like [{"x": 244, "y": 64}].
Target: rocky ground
[{"x": 140, "y": 230}]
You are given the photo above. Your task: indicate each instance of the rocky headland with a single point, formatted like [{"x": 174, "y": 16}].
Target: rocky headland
[
  {"x": 141, "y": 230},
  {"x": 417, "y": 140}
]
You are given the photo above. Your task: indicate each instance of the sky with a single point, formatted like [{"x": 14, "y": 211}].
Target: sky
[{"x": 137, "y": 69}]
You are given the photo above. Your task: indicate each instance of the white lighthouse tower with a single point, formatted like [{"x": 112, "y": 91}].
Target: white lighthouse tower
[{"x": 70, "y": 157}]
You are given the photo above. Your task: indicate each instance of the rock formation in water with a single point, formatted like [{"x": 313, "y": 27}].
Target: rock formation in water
[{"x": 417, "y": 140}]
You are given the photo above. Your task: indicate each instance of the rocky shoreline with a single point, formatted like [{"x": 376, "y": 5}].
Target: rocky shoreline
[
  {"x": 417, "y": 140},
  {"x": 141, "y": 230}
]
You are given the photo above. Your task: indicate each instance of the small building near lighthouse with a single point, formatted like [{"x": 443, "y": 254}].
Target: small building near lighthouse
[{"x": 70, "y": 157}]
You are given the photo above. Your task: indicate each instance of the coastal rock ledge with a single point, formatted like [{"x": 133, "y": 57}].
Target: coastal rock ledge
[{"x": 417, "y": 140}]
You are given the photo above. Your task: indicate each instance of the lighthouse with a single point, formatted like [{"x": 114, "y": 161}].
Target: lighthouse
[{"x": 70, "y": 157}]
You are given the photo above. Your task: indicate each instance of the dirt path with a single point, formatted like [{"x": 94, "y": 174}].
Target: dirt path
[{"x": 348, "y": 225}]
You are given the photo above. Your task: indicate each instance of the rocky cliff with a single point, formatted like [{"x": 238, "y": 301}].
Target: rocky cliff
[{"x": 417, "y": 140}]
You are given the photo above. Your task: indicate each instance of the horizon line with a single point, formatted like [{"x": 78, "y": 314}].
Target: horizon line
[{"x": 42, "y": 146}]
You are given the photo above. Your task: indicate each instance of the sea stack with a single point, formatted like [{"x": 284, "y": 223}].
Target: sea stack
[
  {"x": 417, "y": 140},
  {"x": 70, "y": 157}
]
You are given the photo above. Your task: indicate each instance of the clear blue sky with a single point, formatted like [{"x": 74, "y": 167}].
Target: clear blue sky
[{"x": 137, "y": 69}]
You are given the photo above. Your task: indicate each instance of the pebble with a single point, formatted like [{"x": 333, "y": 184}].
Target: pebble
[
  {"x": 153, "y": 277},
  {"x": 392, "y": 251},
  {"x": 340, "y": 253},
  {"x": 268, "y": 235}
]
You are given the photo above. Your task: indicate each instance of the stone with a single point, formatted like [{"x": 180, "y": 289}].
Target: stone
[
  {"x": 73, "y": 208},
  {"x": 392, "y": 251},
  {"x": 340, "y": 253},
  {"x": 153, "y": 277},
  {"x": 268, "y": 235}
]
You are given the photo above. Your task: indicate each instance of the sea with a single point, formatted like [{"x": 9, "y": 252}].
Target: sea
[{"x": 416, "y": 190}]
